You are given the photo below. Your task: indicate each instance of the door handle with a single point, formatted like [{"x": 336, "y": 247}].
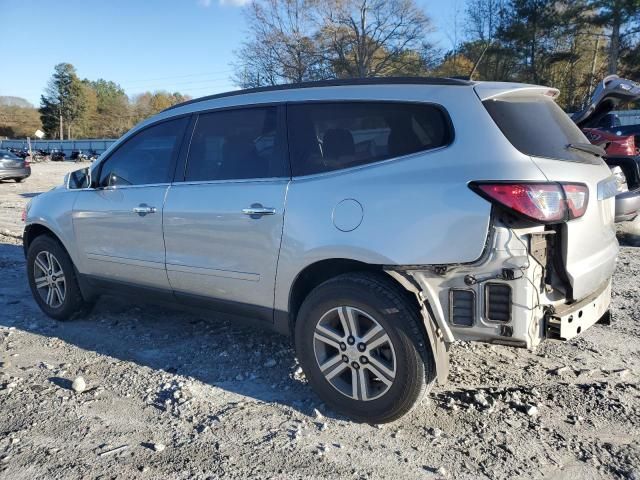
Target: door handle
[
  {"x": 143, "y": 209},
  {"x": 257, "y": 210}
]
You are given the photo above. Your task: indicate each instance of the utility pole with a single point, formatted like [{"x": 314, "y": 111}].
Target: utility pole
[{"x": 593, "y": 65}]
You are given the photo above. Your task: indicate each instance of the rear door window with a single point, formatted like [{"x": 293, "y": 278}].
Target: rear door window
[
  {"x": 537, "y": 126},
  {"x": 236, "y": 144},
  {"x": 332, "y": 136}
]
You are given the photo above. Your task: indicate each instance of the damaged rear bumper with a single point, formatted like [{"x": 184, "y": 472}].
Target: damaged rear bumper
[
  {"x": 506, "y": 296},
  {"x": 568, "y": 321}
]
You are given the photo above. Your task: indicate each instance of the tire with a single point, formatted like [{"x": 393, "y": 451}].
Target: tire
[
  {"x": 371, "y": 301},
  {"x": 43, "y": 249},
  {"x": 18, "y": 180}
]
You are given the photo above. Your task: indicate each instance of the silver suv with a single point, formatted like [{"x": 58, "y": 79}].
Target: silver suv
[{"x": 375, "y": 221}]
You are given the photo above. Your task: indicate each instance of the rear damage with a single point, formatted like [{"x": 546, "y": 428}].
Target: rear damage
[
  {"x": 516, "y": 294},
  {"x": 551, "y": 249}
]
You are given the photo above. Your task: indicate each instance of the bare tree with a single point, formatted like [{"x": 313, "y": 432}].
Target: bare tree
[
  {"x": 365, "y": 38},
  {"x": 282, "y": 48}
]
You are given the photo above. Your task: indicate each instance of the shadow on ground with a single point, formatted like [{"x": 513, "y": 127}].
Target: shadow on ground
[{"x": 240, "y": 358}]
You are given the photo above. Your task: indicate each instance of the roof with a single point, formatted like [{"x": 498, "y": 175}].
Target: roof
[{"x": 335, "y": 83}]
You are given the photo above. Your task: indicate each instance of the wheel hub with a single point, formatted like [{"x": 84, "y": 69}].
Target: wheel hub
[
  {"x": 354, "y": 353},
  {"x": 49, "y": 279}
]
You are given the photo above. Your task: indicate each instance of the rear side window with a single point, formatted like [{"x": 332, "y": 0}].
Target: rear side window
[
  {"x": 331, "y": 136},
  {"x": 537, "y": 126},
  {"x": 146, "y": 158},
  {"x": 236, "y": 144}
]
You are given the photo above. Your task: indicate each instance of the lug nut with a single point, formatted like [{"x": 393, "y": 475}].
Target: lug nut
[
  {"x": 355, "y": 365},
  {"x": 364, "y": 359},
  {"x": 345, "y": 359},
  {"x": 361, "y": 347},
  {"x": 343, "y": 346},
  {"x": 351, "y": 340}
]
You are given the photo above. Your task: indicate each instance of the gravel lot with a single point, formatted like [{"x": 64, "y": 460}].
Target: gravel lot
[{"x": 173, "y": 395}]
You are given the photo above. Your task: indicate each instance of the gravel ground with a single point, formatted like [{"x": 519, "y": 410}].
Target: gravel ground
[{"x": 168, "y": 394}]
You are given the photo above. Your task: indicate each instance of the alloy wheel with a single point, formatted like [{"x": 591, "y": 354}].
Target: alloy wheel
[
  {"x": 49, "y": 279},
  {"x": 354, "y": 353}
]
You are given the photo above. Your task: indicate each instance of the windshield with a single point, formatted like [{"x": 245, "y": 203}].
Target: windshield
[{"x": 537, "y": 126}]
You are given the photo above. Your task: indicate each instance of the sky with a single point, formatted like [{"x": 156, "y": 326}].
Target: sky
[{"x": 143, "y": 45}]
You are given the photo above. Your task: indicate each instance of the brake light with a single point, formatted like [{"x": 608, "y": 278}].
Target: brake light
[
  {"x": 541, "y": 202},
  {"x": 26, "y": 163},
  {"x": 577, "y": 199}
]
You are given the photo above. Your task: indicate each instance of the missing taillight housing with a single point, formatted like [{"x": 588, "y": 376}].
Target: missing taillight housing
[{"x": 540, "y": 202}]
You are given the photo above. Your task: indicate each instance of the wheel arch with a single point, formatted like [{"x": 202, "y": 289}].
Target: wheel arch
[
  {"x": 35, "y": 230},
  {"x": 318, "y": 272}
]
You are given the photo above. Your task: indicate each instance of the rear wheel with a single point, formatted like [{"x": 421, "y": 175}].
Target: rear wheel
[
  {"x": 52, "y": 279},
  {"x": 359, "y": 342},
  {"x": 18, "y": 180}
]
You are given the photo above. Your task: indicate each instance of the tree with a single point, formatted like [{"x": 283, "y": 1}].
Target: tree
[
  {"x": 147, "y": 104},
  {"x": 63, "y": 101},
  {"x": 282, "y": 48},
  {"x": 112, "y": 116},
  {"x": 367, "y": 38},
  {"x": 622, "y": 19}
]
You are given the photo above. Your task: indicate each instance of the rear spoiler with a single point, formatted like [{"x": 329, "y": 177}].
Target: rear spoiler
[{"x": 493, "y": 90}]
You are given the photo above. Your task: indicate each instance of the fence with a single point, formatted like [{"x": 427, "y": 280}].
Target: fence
[{"x": 67, "y": 146}]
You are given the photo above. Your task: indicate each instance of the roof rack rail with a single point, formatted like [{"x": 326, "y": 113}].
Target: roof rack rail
[{"x": 334, "y": 83}]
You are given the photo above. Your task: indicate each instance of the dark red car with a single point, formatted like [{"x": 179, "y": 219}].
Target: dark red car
[{"x": 621, "y": 150}]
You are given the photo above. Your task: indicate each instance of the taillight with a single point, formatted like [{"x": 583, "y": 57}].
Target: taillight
[
  {"x": 24, "y": 214},
  {"x": 577, "y": 199},
  {"x": 542, "y": 202},
  {"x": 629, "y": 146},
  {"x": 26, "y": 163}
]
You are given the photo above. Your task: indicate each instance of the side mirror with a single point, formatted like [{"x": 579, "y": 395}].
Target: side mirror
[{"x": 78, "y": 180}]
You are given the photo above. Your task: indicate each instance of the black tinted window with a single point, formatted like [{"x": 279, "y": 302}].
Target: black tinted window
[
  {"x": 331, "y": 136},
  {"x": 146, "y": 158},
  {"x": 235, "y": 144},
  {"x": 538, "y": 126}
]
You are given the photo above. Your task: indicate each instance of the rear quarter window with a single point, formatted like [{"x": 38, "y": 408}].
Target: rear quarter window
[
  {"x": 537, "y": 126},
  {"x": 331, "y": 136}
]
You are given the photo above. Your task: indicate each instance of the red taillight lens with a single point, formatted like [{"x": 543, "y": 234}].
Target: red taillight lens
[
  {"x": 24, "y": 214},
  {"x": 26, "y": 163},
  {"x": 548, "y": 202},
  {"x": 577, "y": 199}
]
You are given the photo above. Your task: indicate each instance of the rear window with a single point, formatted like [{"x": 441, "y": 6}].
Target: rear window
[
  {"x": 7, "y": 155},
  {"x": 537, "y": 126},
  {"x": 332, "y": 136}
]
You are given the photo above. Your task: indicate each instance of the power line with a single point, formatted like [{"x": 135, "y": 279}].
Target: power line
[
  {"x": 141, "y": 80},
  {"x": 172, "y": 84}
]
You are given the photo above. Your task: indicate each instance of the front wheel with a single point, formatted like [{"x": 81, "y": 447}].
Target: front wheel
[
  {"x": 52, "y": 279},
  {"x": 359, "y": 341}
]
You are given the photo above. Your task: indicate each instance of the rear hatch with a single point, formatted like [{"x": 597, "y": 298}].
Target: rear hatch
[{"x": 535, "y": 125}]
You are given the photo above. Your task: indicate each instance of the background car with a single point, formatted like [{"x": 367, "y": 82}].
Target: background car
[
  {"x": 621, "y": 149},
  {"x": 12, "y": 167}
]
